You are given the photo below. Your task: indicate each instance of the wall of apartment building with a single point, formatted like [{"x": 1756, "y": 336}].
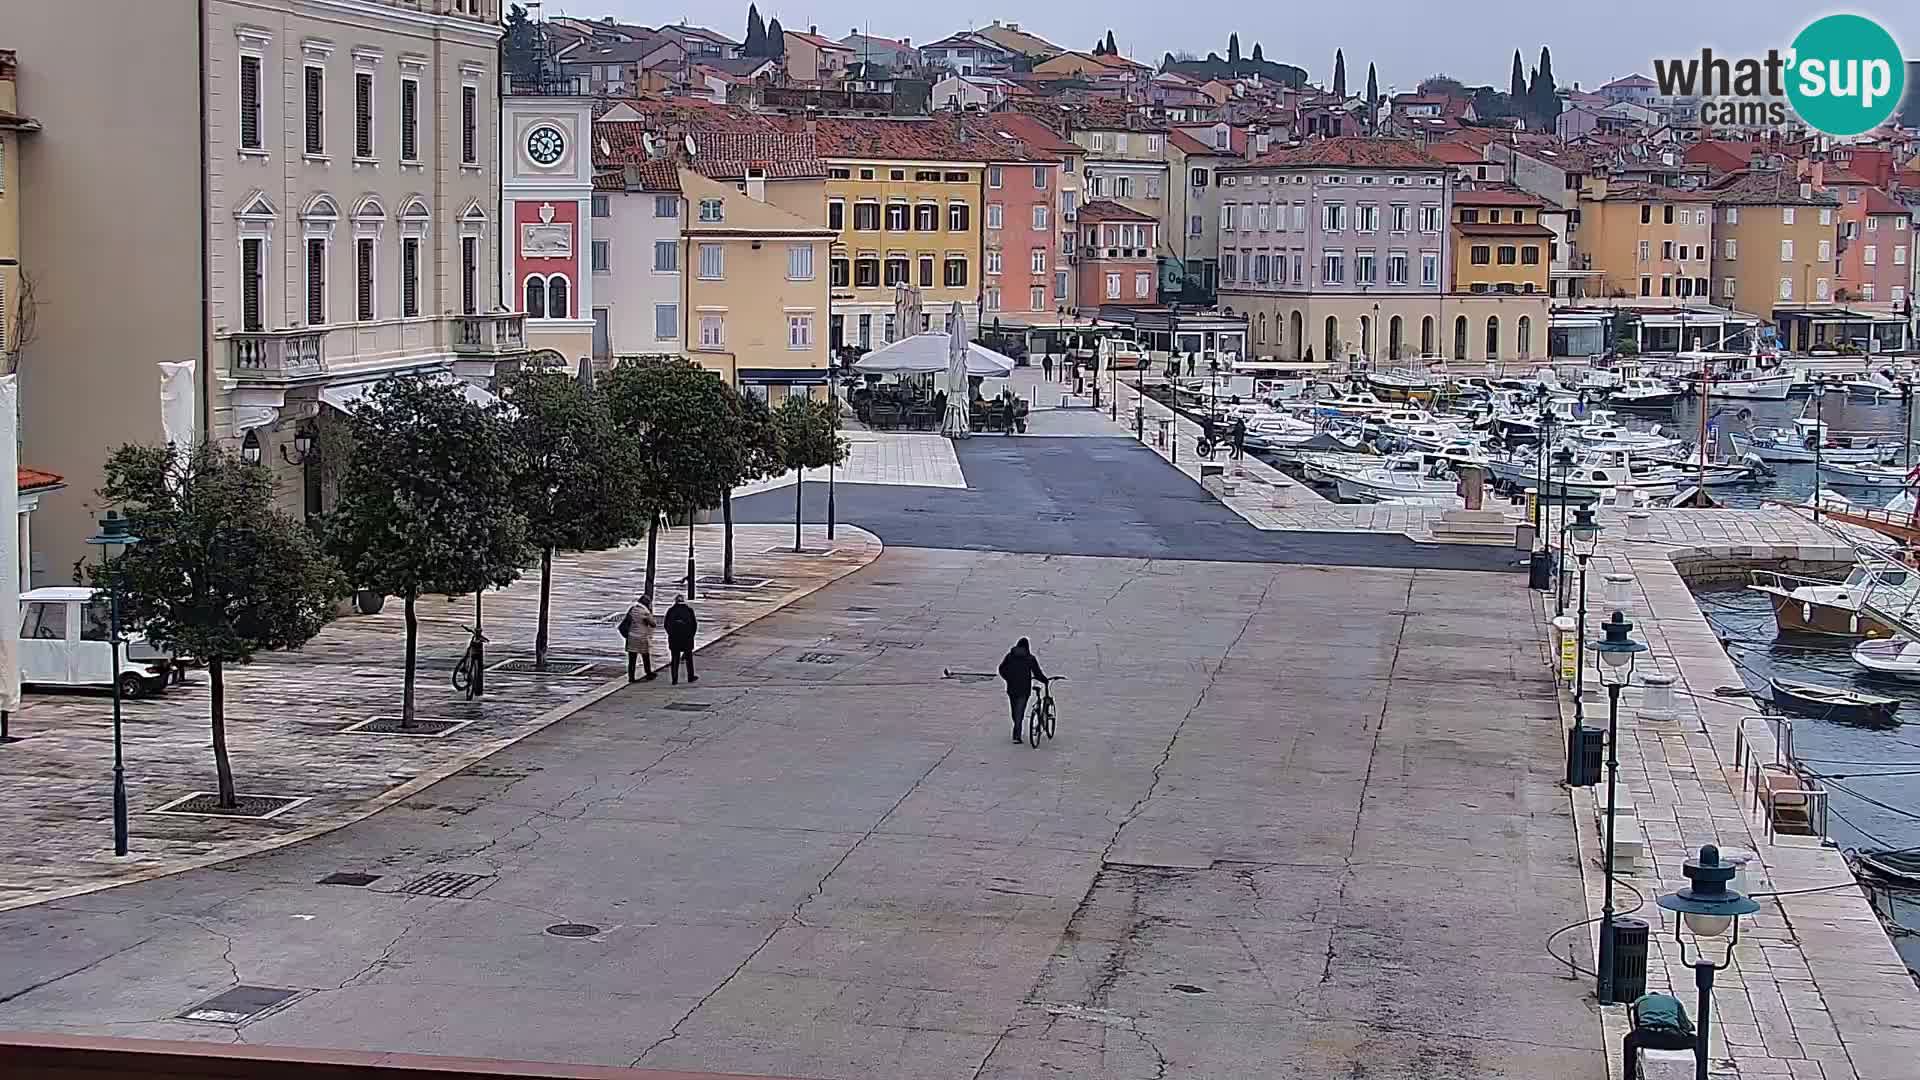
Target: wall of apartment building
[
  {"x": 1027, "y": 241},
  {"x": 1193, "y": 209},
  {"x": 1612, "y": 231},
  {"x": 9, "y": 213},
  {"x": 109, "y": 199},
  {"x": 1530, "y": 174},
  {"x": 756, "y": 296},
  {"x": 1066, "y": 207},
  {"x": 873, "y": 182},
  {"x": 1136, "y": 185},
  {"x": 1773, "y": 262},
  {"x": 1874, "y": 265},
  {"x": 642, "y": 299},
  {"x": 289, "y": 191},
  {"x": 1491, "y": 261}
]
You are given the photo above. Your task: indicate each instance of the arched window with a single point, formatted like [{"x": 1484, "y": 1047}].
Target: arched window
[
  {"x": 1333, "y": 338},
  {"x": 1260, "y": 329},
  {"x": 1393, "y": 338},
  {"x": 1493, "y": 337},
  {"x": 536, "y": 297},
  {"x": 1366, "y": 337},
  {"x": 1297, "y": 333},
  {"x": 1460, "y": 338},
  {"x": 557, "y": 298},
  {"x": 1426, "y": 336},
  {"x": 1526, "y": 337}
]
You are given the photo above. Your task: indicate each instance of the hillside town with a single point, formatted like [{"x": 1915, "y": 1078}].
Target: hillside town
[{"x": 1445, "y": 542}]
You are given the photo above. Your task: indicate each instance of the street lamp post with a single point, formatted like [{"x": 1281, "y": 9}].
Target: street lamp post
[
  {"x": 690, "y": 564},
  {"x": 1563, "y": 458},
  {"x": 113, "y": 533},
  {"x": 1616, "y": 651},
  {"x": 830, "y": 514},
  {"x": 1584, "y": 534},
  {"x": 1708, "y": 906}
]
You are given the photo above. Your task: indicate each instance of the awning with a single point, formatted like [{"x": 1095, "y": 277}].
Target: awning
[
  {"x": 924, "y": 353},
  {"x": 345, "y": 397},
  {"x": 788, "y": 376}
]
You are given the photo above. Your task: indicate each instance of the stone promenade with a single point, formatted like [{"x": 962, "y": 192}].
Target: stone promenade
[{"x": 289, "y": 714}]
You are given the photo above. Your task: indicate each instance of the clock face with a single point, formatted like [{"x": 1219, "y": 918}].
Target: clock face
[{"x": 545, "y": 145}]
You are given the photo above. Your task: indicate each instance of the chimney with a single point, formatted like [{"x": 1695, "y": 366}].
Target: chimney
[
  {"x": 906, "y": 41},
  {"x": 756, "y": 183},
  {"x": 1254, "y": 137},
  {"x": 1806, "y": 190},
  {"x": 813, "y": 121},
  {"x": 814, "y": 30},
  {"x": 1013, "y": 26},
  {"x": 630, "y": 175}
]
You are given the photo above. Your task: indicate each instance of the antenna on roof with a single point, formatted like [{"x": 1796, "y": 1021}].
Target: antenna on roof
[
  {"x": 605, "y": 149},
  {"x": 691, "y": 149},
  {"x": 648, "y": 144}
]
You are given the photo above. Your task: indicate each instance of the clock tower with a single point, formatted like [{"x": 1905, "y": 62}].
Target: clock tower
[{"x": 546, "y": 173}]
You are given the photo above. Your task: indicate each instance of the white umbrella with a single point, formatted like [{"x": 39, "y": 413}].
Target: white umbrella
[
  {"x": 924, "y": 354},
  {"x": 957, "y": 356}
]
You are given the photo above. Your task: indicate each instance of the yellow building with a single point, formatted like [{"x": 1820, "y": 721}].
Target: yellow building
[
  {"x": 1648, "y": 242},
  {"x": 12, "y": 126},
  {"x": 904, "y": 201},
  {"x": 1773, "y": 243},
  {"x": 756, "y": 280},
  {"x": 1499, "y": 243}
]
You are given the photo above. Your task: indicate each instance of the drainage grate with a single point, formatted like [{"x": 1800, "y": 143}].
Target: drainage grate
[
  {"x": 358, "y": 881},
  {"x": 1188, "y": 988},
  {"x": 689, "y": 706},
  {"x": 573, "y": 929},
  {"x": 444, "y": 884},
  {"x": 817, "y": 658},
  {"x": 421, "y": 728},
  {"x": 556, "y": 665},
  {"x": 860, "y": 608},
  {"x": 240, "y": 1004}
]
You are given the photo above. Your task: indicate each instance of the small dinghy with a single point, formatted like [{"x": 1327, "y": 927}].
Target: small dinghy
[{"x": 1833, "y": 703}]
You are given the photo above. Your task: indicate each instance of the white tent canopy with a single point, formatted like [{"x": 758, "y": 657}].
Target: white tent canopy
[
  {"x": 346, "y": 397},
  {"x": 929, "y": 352}
]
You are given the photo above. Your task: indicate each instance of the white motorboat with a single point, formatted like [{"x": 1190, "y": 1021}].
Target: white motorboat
[
  {"x": 1400, "y": 477},
  {"x": 1864, "y": 475},
  {"x": 1895, "y": 657},
  {"x": 1605, "y": 437},
  {"x": 1589, "y": 478},
  {"x": 1871, "y": 385},
  {"x": 1798, "y": 443},
  {"x": 1753, "y": 386},
  {"x": 1642, "y": 392},
  {"x": 1804, "y": 605},
  {"x": 1354, "y": 403}
]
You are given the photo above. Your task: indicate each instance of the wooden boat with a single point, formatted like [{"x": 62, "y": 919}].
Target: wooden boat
[
  {"x": 1894, "y": 867},
  {"x": 1804, "y": 605},
  {"x": 1866, "y": 475},
  {"x": 1833, "y": 703}
]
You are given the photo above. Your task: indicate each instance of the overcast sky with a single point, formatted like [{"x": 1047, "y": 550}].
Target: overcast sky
[{"x": 1472, "y": 40}]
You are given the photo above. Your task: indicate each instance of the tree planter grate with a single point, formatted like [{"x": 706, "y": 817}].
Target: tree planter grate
[
  {"x": 740, "y": 581},
  {"x": 446, "y": 884},
  {"x": 813, "y": 552},
  {"x": 421, "y": 728},
  {"x": 207, "y": 804},
  {"x": 817, "y": 658},
  {"x": 357, "y": 881},
  {"x": 558, "y": 666},
  {"x": 240, "y": 1004}
]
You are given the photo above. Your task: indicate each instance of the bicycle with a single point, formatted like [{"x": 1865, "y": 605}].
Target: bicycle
[
  {"x": 1041, "y": 716},
  {"x": 463, "y": 680}
]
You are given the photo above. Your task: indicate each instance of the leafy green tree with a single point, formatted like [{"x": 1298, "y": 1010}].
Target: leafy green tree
[
  {"x": 776, "y": 40},
  {"x": 578, "y": 488},
  {"x": 1339, "y": 74},
  {"x": 809, "y": 434},
  {"x": 756, "y": 43},
  {"x": 427, "y": 503},
  {"x": 753, "y": 452},
  {"x": 220, "y": 572},
  {"x": 680, "y": 416}
]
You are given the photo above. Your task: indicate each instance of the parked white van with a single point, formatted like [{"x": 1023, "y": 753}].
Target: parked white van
[{"x": 64, "y": 641}]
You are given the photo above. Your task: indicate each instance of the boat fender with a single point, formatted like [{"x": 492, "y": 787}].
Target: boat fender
[
  {"x": 1853, "y": 624},
  {"x": 1806, "y": 612}
]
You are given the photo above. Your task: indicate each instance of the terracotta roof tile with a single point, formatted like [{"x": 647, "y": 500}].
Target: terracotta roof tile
[
  {"x": 1108, "y": 210},
  {"x": 1767, "y": 187},
  {"x": 1504, "y": 195},
  {"x": 1879, "y": 202},
  {"x": 952, "y": 137},
  {"x": 727, "y": 155},
  {"x": 1351, "y": 152},
  {"x": 1502, "y": 228},
  {"x": 1454, "y": 153},
  {"x": 1036, "y": 135},
  {"x": 1640, "y": 192},
  {"x": 34, "y": 478}
]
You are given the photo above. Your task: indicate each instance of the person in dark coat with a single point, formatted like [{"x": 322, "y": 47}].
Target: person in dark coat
[
  {"x": 1206, "y": 431},
  {"x": 1020, "y": 669},
  {"x": 1046, "y": 365},
  {"x": 681, "y": 626},
  {"x": 1239, "y": 437}
]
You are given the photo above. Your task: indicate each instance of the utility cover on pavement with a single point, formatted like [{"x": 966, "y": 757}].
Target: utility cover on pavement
[
  {"x": 689, "y": 706},
  {"x": 358, "y": 881},
  {"x": 238, "y": 1005},
  {"x": 443, "y": 883},
  {"x": 573, "y": 929}
]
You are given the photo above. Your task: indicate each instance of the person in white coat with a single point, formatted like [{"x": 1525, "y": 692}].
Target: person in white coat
[{"x": 637, "y": 628}]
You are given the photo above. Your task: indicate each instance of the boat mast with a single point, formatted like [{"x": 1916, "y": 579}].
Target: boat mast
[{"x": 1706, "y": 395}]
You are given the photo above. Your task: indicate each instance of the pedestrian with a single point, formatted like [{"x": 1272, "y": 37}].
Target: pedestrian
[
  {"x": 637, "y": 628},
  {"x": 1191, "y": 360},
  {"x": 1239, "y": 437},
  {"x": 1019, "y": 669},
  {"x": 1046, "y": 365},
  {"x": 681, "y": 626},
  {"x": 1206, "y": 433}
]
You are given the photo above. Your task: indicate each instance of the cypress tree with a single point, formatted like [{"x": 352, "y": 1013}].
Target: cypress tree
[
  {"x": 1233, "y": 48},
  {"x": 776, "y": 39},
  {"x": 1373, "y": 98},
  {"x": 756, "y": 43},
  {"x": 1257, "y": 58},
  {"x": 1112, "y": 49},
  {"x": 1339, "y": 74}
]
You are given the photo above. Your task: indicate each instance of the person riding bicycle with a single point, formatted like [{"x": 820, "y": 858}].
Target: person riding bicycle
[
  {"x": 1019, "y": 669},
  {"x": 1206, "y": 434}
]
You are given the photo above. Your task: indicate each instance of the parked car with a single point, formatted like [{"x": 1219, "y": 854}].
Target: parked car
[
  {"x": 1125, "y": 355},
  {"x": 65, "y": 641}
]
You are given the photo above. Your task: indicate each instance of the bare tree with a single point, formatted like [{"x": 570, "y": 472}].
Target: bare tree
[{"x": 14, "y": 339}]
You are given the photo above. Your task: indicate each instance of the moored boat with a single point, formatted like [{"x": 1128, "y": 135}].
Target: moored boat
[
  {"x": 1804, "y": 605},
  {"x": 1895, "y": 657},
  {"x": 1810, "y": 440},
  {"x": 1833, "y": 702},
  {"x": 1865, "y": 475}
]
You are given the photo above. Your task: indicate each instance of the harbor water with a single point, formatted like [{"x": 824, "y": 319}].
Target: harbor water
[{"x": 1792, "y": 482}]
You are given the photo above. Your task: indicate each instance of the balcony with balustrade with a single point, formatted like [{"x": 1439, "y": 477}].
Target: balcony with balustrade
[
  {"x": 284, "y": 356},
  {"x": 498, "y": 334}
]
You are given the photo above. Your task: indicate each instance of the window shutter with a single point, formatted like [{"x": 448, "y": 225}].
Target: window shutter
[
  {"x": 316, "y": 282},
  {"x": 469, "y": 153},
  {"x": 363, "y": 115},
  {"x": 316, "y": 111},
  {"x": 410, "y": 277},
  {"x": 409, "y": 120},
  {"x": 250, "y": 284},
  {"x": 363, "y": 252},
  {"x": 469, "y": 273},
  {"x": 250, "y": 102}
]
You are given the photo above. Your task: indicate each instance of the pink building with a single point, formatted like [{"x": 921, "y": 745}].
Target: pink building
[
  {"x": 1021, "y": 236},
  {"x": 1873, "y": 251},
  {"x": 1117, "y": 262}
]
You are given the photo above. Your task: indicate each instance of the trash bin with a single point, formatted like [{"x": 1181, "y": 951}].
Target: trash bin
[{"x": 1629, "y": 958}]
